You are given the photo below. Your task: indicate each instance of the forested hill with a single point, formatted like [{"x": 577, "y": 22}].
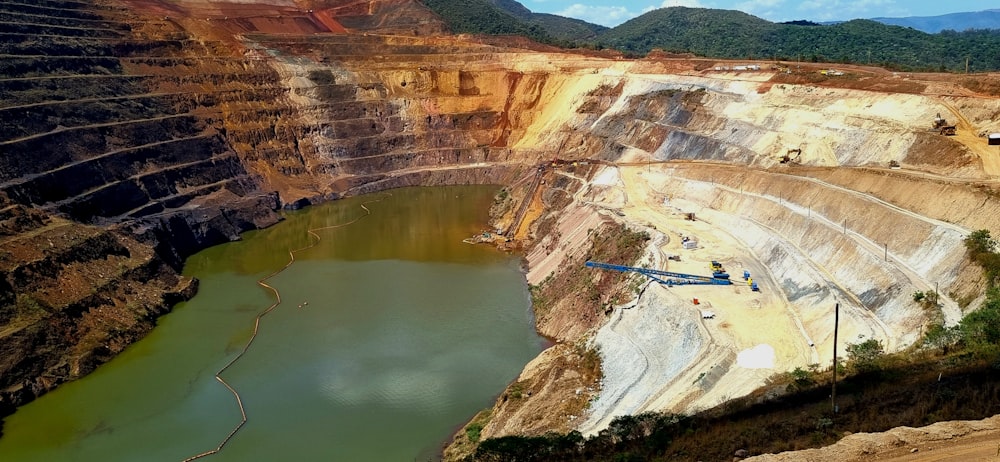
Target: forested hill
[
  {"x": 508, "y": 17},
  {"x": 733, "y": 34}
]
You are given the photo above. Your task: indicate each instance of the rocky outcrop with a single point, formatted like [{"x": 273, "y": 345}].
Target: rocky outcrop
[
  {"x": 73, "y": 297},
  {"x": 114, "y": 167}
]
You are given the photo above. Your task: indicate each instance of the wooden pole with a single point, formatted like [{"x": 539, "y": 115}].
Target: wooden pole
[{"x": 836, "y": 321}]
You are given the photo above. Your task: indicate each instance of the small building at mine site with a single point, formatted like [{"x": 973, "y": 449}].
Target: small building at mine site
[{"x": 994, "y": 139}]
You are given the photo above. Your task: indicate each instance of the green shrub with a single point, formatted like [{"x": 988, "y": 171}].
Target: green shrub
[
  {"x": 473, "y": 431},
  {"x": 865, "y": 356},
  {"x": 981, "y": 328},
  {"x": 939, "y": 336},
  {"x": 983, "y": 251}
]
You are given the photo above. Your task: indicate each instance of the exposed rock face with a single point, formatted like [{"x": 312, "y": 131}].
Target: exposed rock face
[
  {"x": 155, "y": 126},
  {"x": 135, "y": 133},
  {"x": 114, "y": 166}
]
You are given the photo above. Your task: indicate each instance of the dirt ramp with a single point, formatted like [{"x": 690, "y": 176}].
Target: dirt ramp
[{"x": 956, "y": 441}]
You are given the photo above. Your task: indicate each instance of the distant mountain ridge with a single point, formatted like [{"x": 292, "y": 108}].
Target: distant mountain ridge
[
  {"x": 559, "y": 27},
  {"x": 509, "y": 17},
  {"x": 733, "y": 34},
  {"x": 986, "y": 19},
  {"x": 736, "y": 35}
]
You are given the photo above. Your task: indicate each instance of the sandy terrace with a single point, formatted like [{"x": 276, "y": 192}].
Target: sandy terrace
[{"x": 660, "y": 354}]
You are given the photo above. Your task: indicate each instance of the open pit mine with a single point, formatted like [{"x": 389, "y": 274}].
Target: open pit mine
[{"x": 136, "y": 132}]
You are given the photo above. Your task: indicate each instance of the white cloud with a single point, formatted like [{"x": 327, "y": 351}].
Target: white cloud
[
  {"x": 687, "y": 3},
  {"x": 604, "y": 15},
  {"x": 767, "y": 9},
  {"x": 831, "y": 10},
  {"x": 670, "y": 3}
]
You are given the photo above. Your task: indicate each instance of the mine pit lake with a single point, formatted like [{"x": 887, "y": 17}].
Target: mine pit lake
[{"x": 391, "y": 334}]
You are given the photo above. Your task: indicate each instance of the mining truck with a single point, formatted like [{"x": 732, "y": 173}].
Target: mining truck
[{"x": 941, "y": 125}]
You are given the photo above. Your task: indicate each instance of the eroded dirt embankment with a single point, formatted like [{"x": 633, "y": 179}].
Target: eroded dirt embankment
[{"x": 953, "y": 441}]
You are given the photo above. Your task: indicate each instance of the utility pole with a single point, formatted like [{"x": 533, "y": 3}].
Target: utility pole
[{"x": 836, "y": 321}]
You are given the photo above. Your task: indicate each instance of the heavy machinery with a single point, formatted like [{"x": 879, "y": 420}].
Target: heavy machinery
[
  {"x": 942, "y": 127},
  {"x": 667, "y": 278},
  {"x": 939, "y": 121},
  {"x": 788, "y": 156}
]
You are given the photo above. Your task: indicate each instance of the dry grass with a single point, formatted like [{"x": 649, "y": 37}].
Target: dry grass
[
  {"x": 579, "y": 284},
  {"x": 936, "y": 388}
]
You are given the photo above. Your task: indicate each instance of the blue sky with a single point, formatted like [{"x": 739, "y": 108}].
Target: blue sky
[{"x": 611, "y": 12}]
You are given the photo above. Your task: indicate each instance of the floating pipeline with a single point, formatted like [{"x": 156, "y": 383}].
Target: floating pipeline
[{"x": 263, "y": 283}]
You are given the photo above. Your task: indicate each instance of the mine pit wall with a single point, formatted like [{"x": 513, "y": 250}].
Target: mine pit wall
[
  {"x": 360, "y": 122},
  {"x": 750, "y": 122},
  {"x": 301, "y": 120},
  {"x": 819, "y": 265},
  {"x": 713, "y": 119},
  {"x": 932, "y": 250},
  {"x": 114, "y": 167},
  {"x": 790, "y": 216},
  {"x": 175, "y": 144}
]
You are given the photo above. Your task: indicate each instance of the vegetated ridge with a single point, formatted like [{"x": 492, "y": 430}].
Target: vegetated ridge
[
  {"x": 508, "y": 17},
  {"x": 733, "y": 34},
  {"x": 986, "y": 19},
  {"x": 567, "y": 30},
  {"x": 737, "y": 35}
]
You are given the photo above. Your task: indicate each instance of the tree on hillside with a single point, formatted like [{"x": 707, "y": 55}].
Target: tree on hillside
[
  {"x": 980, "y": 242},
  {"x": 864, "y": 356},
  {"x": 983, "y": 251},
  {"x": 981, "y": 328}
]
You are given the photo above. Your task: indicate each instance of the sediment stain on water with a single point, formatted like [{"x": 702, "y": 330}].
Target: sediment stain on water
[{"x": 391, "y": 333}]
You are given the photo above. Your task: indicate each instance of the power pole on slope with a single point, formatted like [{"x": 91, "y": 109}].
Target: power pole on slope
[{"x": 836, "y": 322}]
